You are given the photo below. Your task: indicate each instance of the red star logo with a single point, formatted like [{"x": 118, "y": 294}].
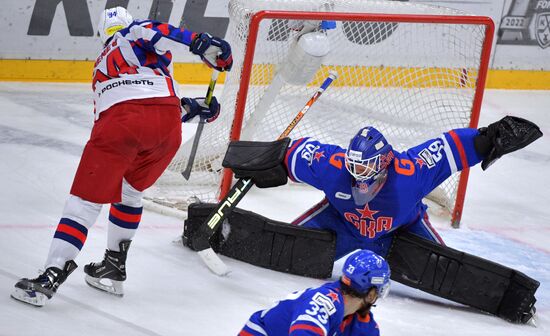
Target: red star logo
[
  {"x": 334, "y": 297},
  {"x": 319, "y": 155},
  {"x": 420, "y": 162},
  {"x": 367, "y": 212}
]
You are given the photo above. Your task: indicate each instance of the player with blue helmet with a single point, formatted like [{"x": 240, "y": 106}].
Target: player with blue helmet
[
  {"x": 374, "y": 200},
  {"x": 367, "y": 158},
  {"x": 341, "y": 307}
]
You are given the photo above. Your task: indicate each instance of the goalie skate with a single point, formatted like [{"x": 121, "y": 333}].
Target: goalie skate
[
  {"x": 109, "y": 274},
  {"x": 531, "y": 317},
  {"x": 41, "y": 289}
]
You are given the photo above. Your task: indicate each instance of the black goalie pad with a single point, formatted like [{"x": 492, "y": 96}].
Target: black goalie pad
[
  {"x": 461, "y": 277},
  {"x": 260, "y": 161},
  {"x": 505, "y": 136},
  {"x": 260, "y": 241}
]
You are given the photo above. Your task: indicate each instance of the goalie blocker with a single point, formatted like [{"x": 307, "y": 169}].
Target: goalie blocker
[
  {"x": 414, "y": 261},
  {"x": 260, "y": 161}
]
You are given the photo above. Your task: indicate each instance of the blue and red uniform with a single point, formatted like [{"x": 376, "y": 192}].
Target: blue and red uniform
[
  {"x": 412, "y": 175},
  {"x": 138, "y": 113},
  {"x": 314, "y": 311},
  {"x": 136, "y": 63}
]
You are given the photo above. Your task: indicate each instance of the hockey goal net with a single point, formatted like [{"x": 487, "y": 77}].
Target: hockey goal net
[{"x": 413, "y": 71}]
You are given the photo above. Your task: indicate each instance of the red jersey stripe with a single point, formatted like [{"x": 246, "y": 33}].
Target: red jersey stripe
[
  {"x": 311, "y": 328},
  {"x": 460, "y": 149},
  {"x": 170, "y": 86},
  {"x": 164, "y": 29}
]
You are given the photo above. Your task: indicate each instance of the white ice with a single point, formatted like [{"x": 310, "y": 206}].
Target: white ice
[{"x": 43, "y": 128}]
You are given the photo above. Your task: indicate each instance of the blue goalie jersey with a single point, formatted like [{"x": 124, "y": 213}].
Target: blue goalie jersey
[
  {"x": 412, "y": 175},
  {"x": 314, "y": 311}
]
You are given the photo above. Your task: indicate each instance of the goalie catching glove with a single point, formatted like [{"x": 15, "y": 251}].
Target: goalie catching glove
[
  {"x": 193, "y": 107},
  {"x": 214, "y": 51},
  {"x": 504, "y": 136},
  {"x": 260, "y": 161}
]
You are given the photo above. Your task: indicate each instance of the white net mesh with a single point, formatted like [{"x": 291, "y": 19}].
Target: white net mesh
[{"x": 412, "y": 81}]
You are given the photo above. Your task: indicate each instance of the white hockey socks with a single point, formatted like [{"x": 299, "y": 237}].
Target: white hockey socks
[
  {"x": 71, "y": 233},
  {"x": 124, "y": 217}
]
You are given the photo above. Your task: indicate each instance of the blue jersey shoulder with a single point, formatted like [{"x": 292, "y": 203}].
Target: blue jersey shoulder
[
  {"x": 429, "y": 164},
  {"x": 310, "y": 161}
]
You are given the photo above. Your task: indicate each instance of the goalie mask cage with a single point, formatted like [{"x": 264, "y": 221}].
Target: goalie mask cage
[{"x": 413, "y": 71}]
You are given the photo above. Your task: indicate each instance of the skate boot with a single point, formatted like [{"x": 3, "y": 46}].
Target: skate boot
[
  {"x": 39, "y": 290},
  {"x": 109, "y": 274},
  {"x": 530, "y": 317}
]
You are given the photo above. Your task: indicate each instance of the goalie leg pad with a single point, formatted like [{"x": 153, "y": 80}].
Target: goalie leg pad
[
  {"x": 461, "y": 277},
  {"x": 260, "y": 241},
  {"x": 260, "y": 161}
]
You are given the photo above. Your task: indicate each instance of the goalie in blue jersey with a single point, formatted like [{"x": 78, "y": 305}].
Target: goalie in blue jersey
[
  {"x": 341, "y": 307},
  {"x": 373, "y": 200}
]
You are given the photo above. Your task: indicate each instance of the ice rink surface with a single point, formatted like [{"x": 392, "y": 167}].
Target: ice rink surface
[{"x": 43, "y": 128}]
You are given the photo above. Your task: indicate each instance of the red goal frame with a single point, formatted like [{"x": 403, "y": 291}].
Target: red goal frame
[{"x": 256, "y": 19}]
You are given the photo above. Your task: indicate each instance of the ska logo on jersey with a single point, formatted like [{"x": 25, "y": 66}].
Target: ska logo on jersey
[
  {"x": 309, "y": 153},
  {"x": 367, "y": 224}
]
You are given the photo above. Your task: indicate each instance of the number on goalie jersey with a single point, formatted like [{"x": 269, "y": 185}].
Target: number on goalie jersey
[{"x": 411, "y": 175}]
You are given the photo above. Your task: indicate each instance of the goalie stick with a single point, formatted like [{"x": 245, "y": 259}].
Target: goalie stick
[
  {"x": 237, "y": 192},
  {"x": 187, "y": 172}
]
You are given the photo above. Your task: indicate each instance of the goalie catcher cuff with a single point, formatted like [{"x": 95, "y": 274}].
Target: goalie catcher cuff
[{"x": 260, "y": 161}]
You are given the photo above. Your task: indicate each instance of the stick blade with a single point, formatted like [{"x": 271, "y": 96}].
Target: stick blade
[
  {"x": 214, "y": 263},
  {"x": 187, "y": 172}
]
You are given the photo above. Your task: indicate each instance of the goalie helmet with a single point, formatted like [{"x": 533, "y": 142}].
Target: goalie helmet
[
  {"x": 113, "y": 20},
  {"x": 364, "y": 270},
  {"x": 367, "y": 158}
]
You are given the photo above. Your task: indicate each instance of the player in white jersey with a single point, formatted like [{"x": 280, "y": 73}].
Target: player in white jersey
[{"x": 136, "y": 133}]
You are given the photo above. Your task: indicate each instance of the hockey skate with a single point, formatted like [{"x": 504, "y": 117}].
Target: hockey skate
[
  {"x": 530, "y": 318},
  {"x": 39, "y": 290},
  {"x": 109, "y": 274}
]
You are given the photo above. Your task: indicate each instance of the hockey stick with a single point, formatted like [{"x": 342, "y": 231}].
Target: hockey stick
[
  {"x": 237, "y": 192},
  {"x": 187, "y": 172}
]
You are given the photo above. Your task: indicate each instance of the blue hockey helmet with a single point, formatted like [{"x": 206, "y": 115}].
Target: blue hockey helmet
[
  {"x": 364, "y": 270},
  {"x": 367, "y": 158}
]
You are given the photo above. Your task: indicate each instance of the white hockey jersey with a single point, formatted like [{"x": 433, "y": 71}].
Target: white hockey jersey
[{"x": 137, "y": 63}]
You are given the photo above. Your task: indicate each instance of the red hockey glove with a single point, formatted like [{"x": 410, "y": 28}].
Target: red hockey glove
[{"x": 214, "y": 51}]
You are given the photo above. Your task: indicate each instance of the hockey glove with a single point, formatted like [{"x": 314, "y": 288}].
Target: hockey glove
[
  {"x": 214, "y": 51},
  {"x": 263, "y": 162},
  {"x": 504, "y": 136},
  {"x": 193, "y": 107}
]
